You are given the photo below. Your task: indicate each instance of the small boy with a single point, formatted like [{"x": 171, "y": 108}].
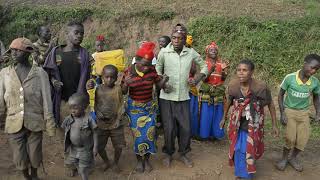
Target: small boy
[
  {"x": 80, "y": 137},
  {"x": 109, "y": 108},
  {"x": 298, "y": 87}
]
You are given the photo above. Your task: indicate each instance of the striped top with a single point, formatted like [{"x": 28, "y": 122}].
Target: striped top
[{"x": 141, "y": 89}]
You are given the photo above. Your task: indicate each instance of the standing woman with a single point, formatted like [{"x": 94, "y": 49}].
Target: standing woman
[
  {"x": 248, "y": 98},
  {"x": 139, "y": 79},
  {"x": 212, "y": 95}
]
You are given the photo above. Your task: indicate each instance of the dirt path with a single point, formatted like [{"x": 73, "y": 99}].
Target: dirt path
[{"x": 210, "y": 160}]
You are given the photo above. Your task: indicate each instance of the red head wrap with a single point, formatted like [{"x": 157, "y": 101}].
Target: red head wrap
[
  {"x": 146, "y": 51},
  {"x": 100, "y": 38},
  {"x": 212, "y": 45}
]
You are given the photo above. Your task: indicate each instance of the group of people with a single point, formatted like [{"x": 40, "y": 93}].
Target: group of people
[{"x": 192, "y": 100}]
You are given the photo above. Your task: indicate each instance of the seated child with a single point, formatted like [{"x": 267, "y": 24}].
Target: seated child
[
  {"x": 109, "y": 108},
  {"x": 80, "y": 137}
]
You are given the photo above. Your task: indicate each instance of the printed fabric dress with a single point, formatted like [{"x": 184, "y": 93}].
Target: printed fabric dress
[{"x": 142, "y": 110}]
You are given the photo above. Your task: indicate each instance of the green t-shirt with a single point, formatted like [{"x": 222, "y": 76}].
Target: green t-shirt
[{"x": 297, "y": 93}]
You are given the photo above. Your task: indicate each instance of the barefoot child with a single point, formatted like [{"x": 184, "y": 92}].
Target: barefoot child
[
  {"x": 139, "y": 79},
  {"x": 248, "y": 98},
  {"x": 109, "y": 108},
  {"x": 26, "y": 107},
  {"x": 294, "y": 108},
  {"x": 80, "y": 137}
]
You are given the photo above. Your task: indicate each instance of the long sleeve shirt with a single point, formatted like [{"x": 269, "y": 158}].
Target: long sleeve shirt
[
  {"x": 177, "y": 68},
  {"x": 26, "y": 104}
]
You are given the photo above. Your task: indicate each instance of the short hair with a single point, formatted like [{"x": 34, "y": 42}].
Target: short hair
[
  {"x": 167, "y": 38},
  {"x": 112, "y": 68},
  {"x": 247, "y": 62},
  {"x": 183, "y": 29},
  {"x": 79, "y": 98},
  {"x": 75, "y": 23},
  {"x": 311, "y": 57},
  {"x": 39, "y": 29}
]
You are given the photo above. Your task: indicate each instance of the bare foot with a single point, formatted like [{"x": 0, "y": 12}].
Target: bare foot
[
  {"x": 186, "y": 161},
  {"x": 115, "y": 168},
  {"x": 139, "y": 168},
  {"x": 71, "y": 172},
  {"x": 167, "y": 161},
  {"x": 147, "y": 166},
  {"x": 106, "y": 166}
]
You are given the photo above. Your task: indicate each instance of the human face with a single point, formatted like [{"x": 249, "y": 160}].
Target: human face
[
  {"x": 178, "y": 41},
  {"x": 212, "y": 53},
  {"x": 19, "y": 55},
  {"x": 244, "y": 73},
  {"x": 109, "y": 77},
  {"x": 311, "y": 68},
  {"x": 162, "y": 43},
  {"x": 76, "y": 109},
  {"x": 144, "y": 65},
  {"x": 75, "y": 35},
  {"x": 99, "y": 45},
  {"x": 45, "y": 33}
]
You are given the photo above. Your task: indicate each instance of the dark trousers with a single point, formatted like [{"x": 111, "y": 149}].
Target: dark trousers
[
  {"x": 26, "y": 146},
  {"x": 175, "y": 116}
]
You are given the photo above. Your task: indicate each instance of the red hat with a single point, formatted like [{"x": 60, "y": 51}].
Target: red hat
[
  {"x": 211, "y": 45},
  {"x": 100, "y": 38},
  {"x": 146, "y": 51}
]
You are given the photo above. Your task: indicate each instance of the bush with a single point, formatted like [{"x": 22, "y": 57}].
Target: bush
[{"x": 276, "y": 46}]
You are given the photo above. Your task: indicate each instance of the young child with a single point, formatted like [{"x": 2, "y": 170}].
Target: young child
[
  {"x": 248, "y": 98},
  {"x": 139, "y": 79},
  {"x": 212, "y": 93},
  {"x": 163, "y": 41},
  {"x": 81, "y": 139},
  {"x": 298, "y": 87},
  {"x": 109, "y": 108},
  {"x": 26, "y": 108}
]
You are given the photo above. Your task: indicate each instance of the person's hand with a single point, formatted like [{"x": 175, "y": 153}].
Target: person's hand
[
  {"x": 283, "y": 119},
  {"x": 317, "y": 118},
  {"x": 90, "y": 84},
  {"x": 165, "y": 78},
  {"x": 57, "y": 85},
  {"x": 225, "y": 65},
  {"x": 167, "y": 88},
  {"x": 95, "y": 151},
  {"x": 192, "y": 82},
  {"x": 275, "y": 131},
  {"x": 223, "y": 121},
  {"x": 128, "y": 80}
]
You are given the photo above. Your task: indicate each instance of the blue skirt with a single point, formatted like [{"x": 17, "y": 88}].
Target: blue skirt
[
  {"x": 240, "y": 164},
  {"x": 194, "y": 110},
  {"x": 142, "y": 122},
  {"x": 210, "y": 118}
]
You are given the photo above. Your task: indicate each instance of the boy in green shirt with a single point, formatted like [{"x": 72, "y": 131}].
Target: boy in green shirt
[{"x": 298, "y": 87}]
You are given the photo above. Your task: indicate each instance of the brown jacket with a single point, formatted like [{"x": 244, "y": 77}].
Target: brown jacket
[{"x": 28, "y": 104}]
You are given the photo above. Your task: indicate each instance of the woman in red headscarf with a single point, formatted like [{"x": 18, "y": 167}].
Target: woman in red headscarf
[
  {"x": 139, "y": 80},
  {"x": 212, "y": 95}
]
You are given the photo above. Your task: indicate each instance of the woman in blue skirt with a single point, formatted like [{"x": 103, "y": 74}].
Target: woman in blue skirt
[{"x": 211, "y": 95}]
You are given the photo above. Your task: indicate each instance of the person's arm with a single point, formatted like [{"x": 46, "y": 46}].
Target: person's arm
[
  {"x": 47, "y": 104},
  {"x": 316, "y": 103},
  {"x": 272, "y": 110},
  {"x": 203, "y": 68},
  {"x": 160, "y": 63},
  {"x": 94, "y": 128},
  {"x": 2, "y": 101},
  {"x": 226, "y": 106},
  {"x": 283, "y": 118}
]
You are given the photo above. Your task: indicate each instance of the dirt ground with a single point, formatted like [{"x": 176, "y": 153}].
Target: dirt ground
[{"x": 210, "y": 162}]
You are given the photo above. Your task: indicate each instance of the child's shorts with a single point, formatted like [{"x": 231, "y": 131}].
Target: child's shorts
[
  {"x": 297, "y": 129},
  {"x": 116, "y": 135},
  {"x": 79, "y": 157}
]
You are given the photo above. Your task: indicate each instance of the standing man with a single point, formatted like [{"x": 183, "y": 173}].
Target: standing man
[
  {"x": 44, "y": 44},
  {"x": 175, "y": 61},
  {"x": 68, "y": 67}
]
